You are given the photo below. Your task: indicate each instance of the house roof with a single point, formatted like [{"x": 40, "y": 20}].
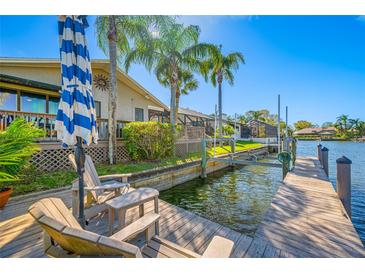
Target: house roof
[
  {"x": 314, "y": 130},
  {"x": 258, "y": 122},
  {"x": 102, "y": 64},
  {"x": 17, "y": 80},
  {"x": 191, "y": 112}
]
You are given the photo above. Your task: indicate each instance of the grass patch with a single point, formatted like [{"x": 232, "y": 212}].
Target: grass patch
[
  {"x": 240, "y": 146},
  {"x": 43, "y": 181}
]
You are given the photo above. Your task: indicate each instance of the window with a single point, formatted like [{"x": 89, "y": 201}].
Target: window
[
  {"x": 98, "y": 108},
  {"x": 139, "y": 114},
  {"x": 8, "y": 99},
  {"x": 53, "y": 105},
  {"x": 33, "y": 103}
]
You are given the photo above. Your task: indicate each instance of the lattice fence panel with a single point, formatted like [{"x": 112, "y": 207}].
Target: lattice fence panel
[
  {"x": 51, "y": 159},
  {"x": 98, "y": 154},
  {"x": 122, "y": 154},
  {"x": 54, "y": 157}
]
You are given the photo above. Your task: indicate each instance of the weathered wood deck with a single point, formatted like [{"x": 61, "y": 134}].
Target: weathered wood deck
[
  {"x": 21, "y": 236},
  {"x": 305, "y": 219}
]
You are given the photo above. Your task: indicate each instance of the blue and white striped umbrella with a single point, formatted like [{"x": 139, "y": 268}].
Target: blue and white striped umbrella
[{"x": 76, "y": 114}]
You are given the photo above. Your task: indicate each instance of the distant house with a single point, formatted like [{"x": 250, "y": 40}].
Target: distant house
[
  {"x": 190, "y": 118},
  {"x": 260, "y": 129},
  {"x": 316, "y": 132},
  {"x": 195, "y": 118}
]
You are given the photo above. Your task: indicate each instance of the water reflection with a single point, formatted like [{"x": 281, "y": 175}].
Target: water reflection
[{"x": 235, "y": 197}]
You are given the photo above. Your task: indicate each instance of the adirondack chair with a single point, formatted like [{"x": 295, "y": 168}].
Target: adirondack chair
[
  {"x": 96, "y": 192},
  {"x": 64, "y": 237}
]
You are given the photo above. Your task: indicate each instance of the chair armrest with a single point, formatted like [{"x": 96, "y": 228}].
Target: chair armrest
[
  {"x": 219, "y": 247},
  {"x": 108, "y": 186},
  {"x": 123, "y": 176},
  {"x": 177, "y": 248},
  {"x": 136, "y": 227}
]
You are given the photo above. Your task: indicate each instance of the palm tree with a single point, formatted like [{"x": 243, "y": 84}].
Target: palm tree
[
  {"x": 242, "y": 119},
  {"x": 168, "y": 52},
  {"x": 114, "y": 35},
  {"x": 356, "y": 126},
  {"x": 185, "y": 84},
  {"x": 255, "y": 115},
  {"x": 220, "y": 67},
  {"x": 342, "y": 124},
  {"x": 361, "y": 128}
]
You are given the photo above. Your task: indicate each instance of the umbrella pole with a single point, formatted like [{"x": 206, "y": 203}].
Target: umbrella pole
[{"x": 80, "y": 161}]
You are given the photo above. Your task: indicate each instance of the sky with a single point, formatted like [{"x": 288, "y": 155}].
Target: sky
[{"x": 316, "y": 63}]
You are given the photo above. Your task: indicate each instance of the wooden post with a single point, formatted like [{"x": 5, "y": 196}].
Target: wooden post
[
  {"x": 286, "y": 144},
  {"x": 319, "y": 147},
  {"x": 204, "y": 158},
  {"x": 284, "y": 158},
  {"x": 344, "y": 182},
  {"x": 233, "y": 146},
  {"x": 157, "y": 210},
  {"x": 294, "y": 150},
  {"x": 286, "y": 166},
  {"x": 324, "y": 157}
]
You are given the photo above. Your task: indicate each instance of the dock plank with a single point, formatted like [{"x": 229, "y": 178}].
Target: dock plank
[{"x": 306, "y": 217}]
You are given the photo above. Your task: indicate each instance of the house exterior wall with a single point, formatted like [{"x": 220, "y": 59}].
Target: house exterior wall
[{"x": 127, "y": 97}]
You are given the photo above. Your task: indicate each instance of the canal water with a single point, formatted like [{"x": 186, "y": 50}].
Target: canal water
[
  {"x": 234, "y": 197},
  {"x": 239, "y": 197}
]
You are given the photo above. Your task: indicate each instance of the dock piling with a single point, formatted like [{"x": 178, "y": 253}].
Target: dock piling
[
  {"x": 319, "y": 147},
  {"x": 204, "y": 158},
  {"x": 324, "y": 157},
  {"x": 344, "y": 182},
  {"x": 293, "y": 148},
  {"x": 233, "y": 145}
]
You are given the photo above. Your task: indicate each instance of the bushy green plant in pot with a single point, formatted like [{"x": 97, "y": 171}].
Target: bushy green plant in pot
[{"x": 17, "y": 144}]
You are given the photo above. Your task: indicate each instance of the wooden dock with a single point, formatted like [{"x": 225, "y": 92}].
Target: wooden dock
[
  {"x": 21, "y": 236},
  {"x": 305, "y": 219}
]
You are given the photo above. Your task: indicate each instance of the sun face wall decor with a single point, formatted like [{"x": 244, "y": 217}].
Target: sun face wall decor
[{"x": 101, "y": 82}]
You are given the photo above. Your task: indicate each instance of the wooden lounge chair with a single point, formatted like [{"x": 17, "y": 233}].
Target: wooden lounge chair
[
  {"x": 97, "y": 192},
  {"x": 64, "y": 237}
]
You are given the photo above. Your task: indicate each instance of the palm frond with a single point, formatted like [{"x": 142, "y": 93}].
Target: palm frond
[{"x": 228, "y": 76}]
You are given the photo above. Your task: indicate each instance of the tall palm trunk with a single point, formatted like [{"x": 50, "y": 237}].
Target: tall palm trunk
[
  {"x": 177, "y": 106},
  {"x": 112, "y": 123},
  {"x": 173, "y": 108},
  {"x": 220, "y": 122}
]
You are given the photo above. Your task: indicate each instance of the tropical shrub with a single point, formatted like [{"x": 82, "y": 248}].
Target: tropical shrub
[
  {"x": 301, "y": 124},
  {"x": 148, "y": 140},
  {"x": 16, "y": 147},
  {"x": 228, "y": 131}
]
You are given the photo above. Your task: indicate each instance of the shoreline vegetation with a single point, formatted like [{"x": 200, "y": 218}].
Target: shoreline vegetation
[
  {"x": 343, "y": 129},
  {"x": 336, "y": 139},
  {"x": 35, "y": 181}
]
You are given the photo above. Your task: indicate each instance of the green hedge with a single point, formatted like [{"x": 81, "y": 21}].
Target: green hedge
[{"x": 148, "y": 140}]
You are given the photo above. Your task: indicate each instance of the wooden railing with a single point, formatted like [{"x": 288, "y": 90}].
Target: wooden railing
[{"x": 47, "y": 122}]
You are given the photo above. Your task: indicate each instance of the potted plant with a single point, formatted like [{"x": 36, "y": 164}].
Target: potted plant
[{"x": 17, "y": 144}]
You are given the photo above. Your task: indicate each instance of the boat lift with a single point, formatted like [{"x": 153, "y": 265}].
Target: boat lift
[{"x": 284, "y": 157}]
